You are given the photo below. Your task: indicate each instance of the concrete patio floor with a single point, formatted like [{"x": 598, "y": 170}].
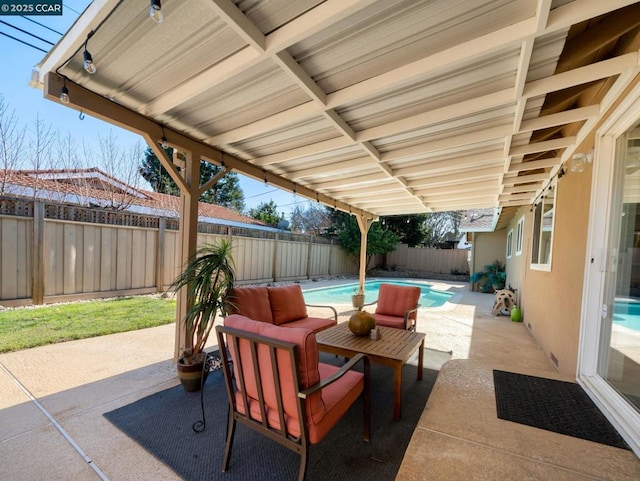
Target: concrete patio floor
[{"x": 54, "y": 397}]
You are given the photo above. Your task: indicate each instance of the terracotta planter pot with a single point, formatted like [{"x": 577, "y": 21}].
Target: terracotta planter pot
[
  {"x": 190, "y": 375},
  {"x": 357, "y": 300}
]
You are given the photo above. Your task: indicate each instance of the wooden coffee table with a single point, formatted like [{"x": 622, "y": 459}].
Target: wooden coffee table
[{"x": 393, "y": 349}]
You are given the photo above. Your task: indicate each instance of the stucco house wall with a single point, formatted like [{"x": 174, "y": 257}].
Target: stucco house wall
[
  {"x": 516, "y": 265},
  {"x": 553, "y": 300}
]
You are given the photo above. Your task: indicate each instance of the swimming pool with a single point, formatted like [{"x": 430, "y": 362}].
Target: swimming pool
[
  {"x": 342, "y": 294},
  {"x": 626, "y": 312}
]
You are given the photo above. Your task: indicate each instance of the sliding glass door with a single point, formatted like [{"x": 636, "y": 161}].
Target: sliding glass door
[
  {"x": 609, "y": 355},
  {"x": 619, "y": 350}
]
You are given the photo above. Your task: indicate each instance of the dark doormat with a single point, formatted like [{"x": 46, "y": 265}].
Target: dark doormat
[
  {"x": 558, "y": 406},
  {"x": 161, "y": 423}
]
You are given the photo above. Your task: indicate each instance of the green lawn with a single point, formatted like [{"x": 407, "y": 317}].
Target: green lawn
[{"x": 36, "y": 326}]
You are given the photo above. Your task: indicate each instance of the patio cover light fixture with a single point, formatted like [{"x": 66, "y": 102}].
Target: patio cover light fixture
[
  {"x": 88, "y": 64},
  {"x": 64, "y": 93},
  {"x": 155, "y": 12},
  {"x": 164, "y": 143},
  {"x": 578, "y": 161}
]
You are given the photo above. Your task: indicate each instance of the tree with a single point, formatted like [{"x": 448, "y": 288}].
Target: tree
[
  {"x": 152, "y": 171},
  {"x": 314, "y": 220},
  {"x": 267, "y": 212},
  {"x": 67, "y": 157},
  {"x": 411, "y": 229},
  {"x": 379, "y": 239},
  {"x": 441, "y": 227},
  {"x": 226, "y": 192},
  {"x": 119, "y": 163},
  {"x": 12, "y": 149}
]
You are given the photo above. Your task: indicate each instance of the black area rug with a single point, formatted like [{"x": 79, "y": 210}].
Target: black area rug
[
  {"x": 161, "y": 423},
  {"x": 558, "y": 406}
]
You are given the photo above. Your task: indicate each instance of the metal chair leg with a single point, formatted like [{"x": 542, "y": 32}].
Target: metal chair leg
[
  {"x": 231, "y": 428},
  {"x": 303, "y": 462},
  {"x": 367, "y": 402}
]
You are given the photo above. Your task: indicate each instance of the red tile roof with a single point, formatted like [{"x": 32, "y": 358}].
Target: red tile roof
[{"x": 93, "y": 186}]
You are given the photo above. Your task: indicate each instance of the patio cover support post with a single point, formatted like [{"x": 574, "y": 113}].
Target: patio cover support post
[
  {"x": 364, "y": 224},
  {"x": 188, "y": 238}
]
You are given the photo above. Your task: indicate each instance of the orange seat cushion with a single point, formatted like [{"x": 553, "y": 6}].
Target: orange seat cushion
[
  {"x": 316, "y": 324},
  {"x": 287, "y": 303},
  {"x": 391, "y": 321},
  {"x": 251, "y": 302},
  {"x": 337, "y": 398}
]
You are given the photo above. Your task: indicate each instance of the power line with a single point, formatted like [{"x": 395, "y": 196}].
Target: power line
[
  {"x": 26, "y": 32},
  {"x": 67, "y": 6},
  {"x": 263, "y": 193},
  {"x": 22, "y": 41},
  {"x": 42, "y": 25}
]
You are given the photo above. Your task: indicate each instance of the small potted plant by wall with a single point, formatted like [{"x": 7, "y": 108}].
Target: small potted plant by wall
[{"x": 208, "y": 277}]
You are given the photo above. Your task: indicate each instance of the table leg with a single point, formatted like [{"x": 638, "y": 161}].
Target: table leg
[
  {"x": 420, "y": 360},
  {"x": 397, "y": 391}
]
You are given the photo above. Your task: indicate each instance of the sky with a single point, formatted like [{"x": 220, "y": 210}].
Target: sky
[{"x": 18, "y": 60}]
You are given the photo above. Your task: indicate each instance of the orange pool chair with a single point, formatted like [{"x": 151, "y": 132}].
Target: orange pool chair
[
  {"x": 278, "y": 387},
  {"x": 397, "y": 306}
]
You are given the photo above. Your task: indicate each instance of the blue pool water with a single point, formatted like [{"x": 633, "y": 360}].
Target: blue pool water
[
  {"x": 342, "y": 294},
  {"x": 626, "y": 312}
]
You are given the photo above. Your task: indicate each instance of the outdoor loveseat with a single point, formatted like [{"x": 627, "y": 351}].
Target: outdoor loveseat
[{"x": 281, "y": 305}]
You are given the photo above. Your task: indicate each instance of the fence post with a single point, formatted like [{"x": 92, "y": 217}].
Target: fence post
[
  {"x": 162, "y": 226},
  {"x": 275, "y": 257},
  {"x": 309, "y": 246},
  {"x": 37, "y": 288}
]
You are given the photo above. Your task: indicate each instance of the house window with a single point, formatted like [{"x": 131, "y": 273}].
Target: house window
[
  {"x": 542, "y": 239},
  {"x": 519, "y": 234},
  {"x": 509, "y": 243}
]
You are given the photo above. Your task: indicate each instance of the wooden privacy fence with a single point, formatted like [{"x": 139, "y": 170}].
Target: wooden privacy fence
[
  {"x": 53, "y": 252},
  {"x": 427, "y": 259}
]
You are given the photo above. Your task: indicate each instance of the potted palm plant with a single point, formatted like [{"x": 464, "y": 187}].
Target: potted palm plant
[
  {"x": 491, "y": 278},
  {"x": 208, "y": 277}
]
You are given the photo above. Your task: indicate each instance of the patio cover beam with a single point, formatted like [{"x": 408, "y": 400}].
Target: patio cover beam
[{"x": 97, "y": 106}]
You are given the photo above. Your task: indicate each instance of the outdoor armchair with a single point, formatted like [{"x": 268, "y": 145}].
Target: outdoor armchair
[
  {"x": 397, "y": 306},
  {"x": 278, "y": 387}
]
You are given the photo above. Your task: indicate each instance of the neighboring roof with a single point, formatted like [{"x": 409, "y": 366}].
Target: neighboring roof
[
  {"x": 479, "y": 220},
  {"x": 376, "y": 107},
  {"x": 93, "y": 187}
]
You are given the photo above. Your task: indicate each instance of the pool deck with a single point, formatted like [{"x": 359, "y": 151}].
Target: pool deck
[{"x": 54, "y": 397}]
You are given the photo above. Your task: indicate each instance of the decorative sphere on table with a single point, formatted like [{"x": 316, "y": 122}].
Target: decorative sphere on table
[{"x": 361, "y": 323}]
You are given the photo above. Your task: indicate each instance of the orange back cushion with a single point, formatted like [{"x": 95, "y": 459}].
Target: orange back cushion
[
  {"x": 287, "y": 303},
  {"x": 252, "y": 302},
  {"x": 394, "y": 300},
  {"x": 306, "y": 356}
]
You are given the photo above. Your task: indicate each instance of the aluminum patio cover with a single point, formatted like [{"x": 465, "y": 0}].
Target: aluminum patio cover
[{"x": 374, "y": 107}]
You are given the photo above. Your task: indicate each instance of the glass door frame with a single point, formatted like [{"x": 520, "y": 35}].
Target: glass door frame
[{"x": 624, "y": 417}]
